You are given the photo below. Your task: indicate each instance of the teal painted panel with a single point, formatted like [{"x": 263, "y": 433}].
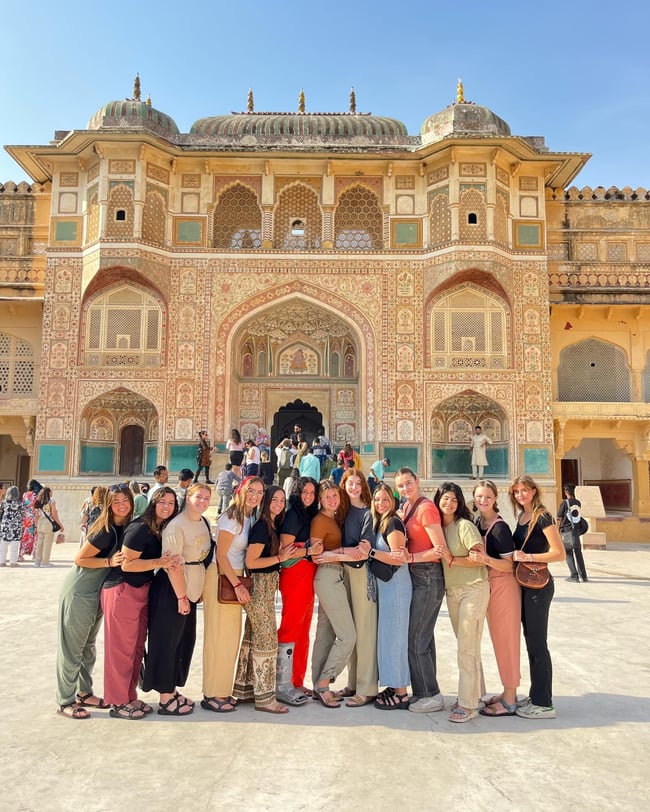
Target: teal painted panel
[
  {"x": 401, "y": 457},
  {"x": 454, "y": 461},
  {"x": 151, "y": 459},
  {"x": 537, "y": 461},
  {"x": 182, "y": 456},
  {"x": 66, "y": 232},
  {"x": 188, "y": 231},
  {"x": 52, "y": 458},
  {"x": 97, "y": 459}
]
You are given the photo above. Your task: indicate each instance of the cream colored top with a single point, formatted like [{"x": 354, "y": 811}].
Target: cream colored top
[{"x": 192, "y": 541}]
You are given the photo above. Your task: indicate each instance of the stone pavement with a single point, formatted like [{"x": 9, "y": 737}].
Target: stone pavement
[{"x": 592, "y": 757}]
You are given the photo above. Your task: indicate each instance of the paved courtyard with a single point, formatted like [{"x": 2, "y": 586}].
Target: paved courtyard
[{"x": 592, "y": 757}]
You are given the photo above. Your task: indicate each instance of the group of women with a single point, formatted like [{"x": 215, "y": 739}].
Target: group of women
[{"x": 380, "y": 575}]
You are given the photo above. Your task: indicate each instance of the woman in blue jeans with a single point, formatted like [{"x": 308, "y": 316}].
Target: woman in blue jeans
[
  {"x": 537, "y": 540},
  {"x": 422, "y": 521}
]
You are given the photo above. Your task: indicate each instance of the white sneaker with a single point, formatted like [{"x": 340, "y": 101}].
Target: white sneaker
[
  {"x": 531, "y": 711},
  {"x": 428, "y": 704}
]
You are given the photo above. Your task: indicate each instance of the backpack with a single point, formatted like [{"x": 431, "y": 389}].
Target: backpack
[{"x": 285, "y": 457}]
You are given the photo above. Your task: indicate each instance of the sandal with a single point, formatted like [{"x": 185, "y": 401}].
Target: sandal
[
  {"x": 126, "y": 712},
  {"x": 326, "y": 702},
  {"x": 213, "y": 703},
  {"x": 275, "y": 707},
  {"x": 393, "y": 701},
  {"x": 500, "y": 708},
  {"x": 73, "y": 711},
  {"x": 140, "y": 705},
  {"x": 359, "y": 700},
  {"x": 181, "y": 702},
  {"x": 344, "y": 693},
  {"x": 82, "y": 699},
  {"x": 461, "y": 715}
]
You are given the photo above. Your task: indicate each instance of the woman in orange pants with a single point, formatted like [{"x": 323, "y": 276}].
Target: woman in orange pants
[{"x": 297, "y": 590}]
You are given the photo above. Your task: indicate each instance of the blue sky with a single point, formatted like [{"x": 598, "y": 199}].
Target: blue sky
[{"x": 575, "y": 72}]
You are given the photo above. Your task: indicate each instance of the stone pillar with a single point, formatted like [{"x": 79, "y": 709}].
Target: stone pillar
[{"x": 641, "y": 479}]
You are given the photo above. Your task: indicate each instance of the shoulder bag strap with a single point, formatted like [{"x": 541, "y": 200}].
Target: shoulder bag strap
[{"x": 411, "y": 512}]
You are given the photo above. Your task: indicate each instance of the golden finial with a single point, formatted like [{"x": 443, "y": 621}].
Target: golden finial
[
  {"x": 148, "y": 102},
  {"x": 353, "y": 101},
  {"x": 460, "y": 93},
  {"x": 136, "y": 88},
  {"x": 250, "y": 105},
  {"x": 301, "y": 101}
]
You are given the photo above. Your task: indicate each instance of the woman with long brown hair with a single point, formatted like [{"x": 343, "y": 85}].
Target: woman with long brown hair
[
  {"x": 125, "y": 603},
  {"x": 222, "y": 622},
  {"x": 335, "y": 632},
  {"x": 80, "y": 612},
  {"x": 537, "y": 540},
  {"x": 255, "y": 679},
  {"x": 173, "y": 597},
  {"x": 46, "y": 513}
]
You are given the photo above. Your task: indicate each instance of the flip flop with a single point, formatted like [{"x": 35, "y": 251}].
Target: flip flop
[
  {"x": 216, "y": 705},
  {"x": 276, "y": 708},
  {"x": 499, "y": 708},
  {"x": 82, "y": 699}
]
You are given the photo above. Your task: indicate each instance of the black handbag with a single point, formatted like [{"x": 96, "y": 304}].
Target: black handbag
[
  {"x": 55, "y": 525},
  {"x": 382, "y": 570}
]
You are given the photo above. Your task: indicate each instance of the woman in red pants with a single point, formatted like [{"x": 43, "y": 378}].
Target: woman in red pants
[{"x": 297, "y": 590}]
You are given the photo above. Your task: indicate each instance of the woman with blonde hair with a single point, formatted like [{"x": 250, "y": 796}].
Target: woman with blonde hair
[
  {"x": 222, "y": 622},
  {"x": 504, "y": 607},
  {"x": 359, "y": 586},
  {"x": 80, "y": 612},
  {"x": 173, "y": 598},
  {"x": 537, "y": 540}
]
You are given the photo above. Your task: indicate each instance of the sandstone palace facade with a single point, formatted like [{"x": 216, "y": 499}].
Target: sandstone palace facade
[{"x": 330, "y": 268}]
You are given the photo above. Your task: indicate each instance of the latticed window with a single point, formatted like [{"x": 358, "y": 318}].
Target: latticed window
[
  {"x": 472, "y": 215},
  {"x": 16, "y": 367},
  {"x": 119, "y": 222},
  {"x": 439, "y": 217},
  {"x": 469, "y": 330},
  {"x": 358, "y": 220},
  {"x": 123, "y": 328},
  {"x": 593, "y": 371},
  {"x": 237, "y": 220},
  {"x": 153, "y": 218},
  {"x": 297, "y": 203},
  {"x": 646, "y": 380}
]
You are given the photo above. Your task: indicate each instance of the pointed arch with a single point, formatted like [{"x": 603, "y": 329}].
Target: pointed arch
[
  {"x": 297, "y": 202},
  {"x": 358, "y": 219},
  {"x": 237, "y": 218},
  {"x": 594, "y": 370}
]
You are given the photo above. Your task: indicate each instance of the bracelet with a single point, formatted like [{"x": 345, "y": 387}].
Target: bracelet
[
  {"x": 108, "y": 562},
  {"x": 183, "y": 598},
  {"x": 451, "y": 562},
  {"x": 234, "y": 586},
  {"x": 530, "y": 557}
]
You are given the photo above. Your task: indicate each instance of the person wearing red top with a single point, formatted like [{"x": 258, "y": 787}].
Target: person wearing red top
[{"x": 422, "y": 521}]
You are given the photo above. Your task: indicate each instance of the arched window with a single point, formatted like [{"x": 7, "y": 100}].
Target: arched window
[
  {"x": 469, "y": 330},
  {"x": 237, "y": 220},
  {"x": 124, "y": 328},
  {"x": 358, "y": 220},
  {"x": 16, "y": 367},
  {"x": 593, "y": 371},
  {"x": 297, "y": 204}
]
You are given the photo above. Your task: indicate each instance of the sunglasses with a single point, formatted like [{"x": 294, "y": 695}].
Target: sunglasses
[{"x": 121, "y": 488}]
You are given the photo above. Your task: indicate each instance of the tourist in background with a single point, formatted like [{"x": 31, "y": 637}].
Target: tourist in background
[
  {"x": 80, "y": 612},
  {"x": 46, "y": 514},
  {"x": 11, "y": 526},
  {"x": 226, "y": 481},
  {"x": 537, "y": 540},
  {"x": 479, "y": 443},
  {"x": 570, "y": 537},
  {"x": 28, "y": 540},
  {"x": 235, "y": 449},
  {"x": 204, "y": 457}
]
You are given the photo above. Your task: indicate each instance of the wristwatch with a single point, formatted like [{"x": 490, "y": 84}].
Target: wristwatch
[{"x": 371, "y": 554}]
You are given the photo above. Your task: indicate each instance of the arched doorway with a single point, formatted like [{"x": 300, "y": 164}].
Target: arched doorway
[
  {"x": 131, "y": 451},
  {"x": 451, "y": 427},
  {"x": 296, "y": 413}
]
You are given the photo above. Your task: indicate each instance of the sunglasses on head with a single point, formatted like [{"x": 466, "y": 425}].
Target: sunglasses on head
[{"x": 118, "y": 488}]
